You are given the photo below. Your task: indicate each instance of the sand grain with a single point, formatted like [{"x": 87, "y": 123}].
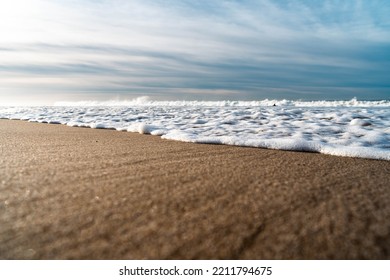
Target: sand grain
[{"x": 74, "y": 193}]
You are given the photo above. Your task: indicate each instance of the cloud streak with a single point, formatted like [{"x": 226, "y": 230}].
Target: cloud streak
[{"x": 196, "y": 49}]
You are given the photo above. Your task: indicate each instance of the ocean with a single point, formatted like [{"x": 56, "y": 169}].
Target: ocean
[{"x": 352, "y": 128}]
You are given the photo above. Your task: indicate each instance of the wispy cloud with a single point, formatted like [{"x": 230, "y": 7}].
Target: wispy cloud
[{"x": 195, "y": 49}]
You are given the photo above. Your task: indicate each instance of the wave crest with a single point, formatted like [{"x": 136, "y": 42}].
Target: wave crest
[{"x": 146, "y": 101}]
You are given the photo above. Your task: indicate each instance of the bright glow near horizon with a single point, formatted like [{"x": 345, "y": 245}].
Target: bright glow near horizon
[{"x": 211, "y": 50}]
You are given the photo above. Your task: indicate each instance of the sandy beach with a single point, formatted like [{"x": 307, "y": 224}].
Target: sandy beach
[{"x": 74, "y": 193}]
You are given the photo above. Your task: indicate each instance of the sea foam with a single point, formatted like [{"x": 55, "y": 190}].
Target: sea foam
[{"x": 350, "y": 128}]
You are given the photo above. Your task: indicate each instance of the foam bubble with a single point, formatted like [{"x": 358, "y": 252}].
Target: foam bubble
[
  {"x": 344, "y": 128},
  {"x": 143, "y": 128}
]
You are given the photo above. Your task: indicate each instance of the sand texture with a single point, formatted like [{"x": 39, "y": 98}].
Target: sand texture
[{"x": 74, "y": 193}]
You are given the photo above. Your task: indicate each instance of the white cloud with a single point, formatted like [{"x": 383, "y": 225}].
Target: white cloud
[{"x": 209, "y": 46}]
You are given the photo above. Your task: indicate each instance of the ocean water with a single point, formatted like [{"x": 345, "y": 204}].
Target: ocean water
[{"x": 343, "y": 128}]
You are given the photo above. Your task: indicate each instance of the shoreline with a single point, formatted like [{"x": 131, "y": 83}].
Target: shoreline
[
  {"x": 338, "y": 131},
  {"x": 329, "y": 152},
  {"x": 71, "y": 193}
]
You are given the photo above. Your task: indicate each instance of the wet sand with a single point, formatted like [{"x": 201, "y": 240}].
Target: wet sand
[{"x": 75, "y": 193}]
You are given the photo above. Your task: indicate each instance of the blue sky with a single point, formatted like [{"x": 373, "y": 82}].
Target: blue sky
[{"x": 61, "y": 50}]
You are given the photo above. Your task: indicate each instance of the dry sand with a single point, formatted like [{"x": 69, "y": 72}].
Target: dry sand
[{"x": 74, "y": 193}]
